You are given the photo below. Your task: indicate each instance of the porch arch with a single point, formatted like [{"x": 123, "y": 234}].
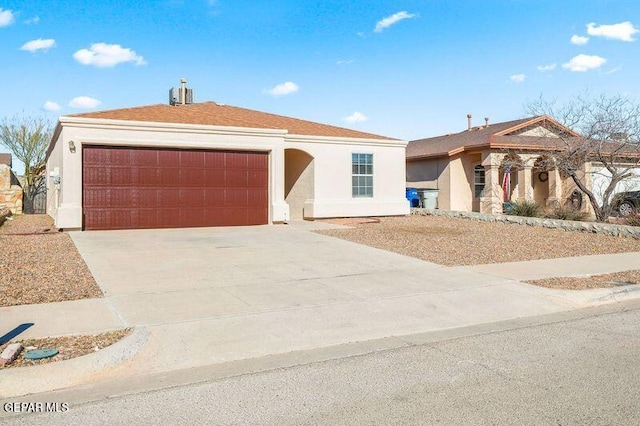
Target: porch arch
[{"x": 298, "y": 181}]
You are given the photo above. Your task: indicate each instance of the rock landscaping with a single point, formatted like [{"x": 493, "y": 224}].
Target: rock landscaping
[
  {"x": 68, "y": 347},
  {"x": 456, "y": 241},
  {"x": 565, "y": 225},
  {"x": 38, "y": 264},
  {"x": 596, "y": 281}
]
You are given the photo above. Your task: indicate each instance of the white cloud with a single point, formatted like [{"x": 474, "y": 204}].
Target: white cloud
[
  {"x": 103, "y": 55},
  {"x": 579, "y": 40},
  {"x": 84, "y": 102},
  {"x": 545, "y": 68},
  {"x": 51, "y": 106},
  {"x": 393, "y": 19},
  {"x": 34, "y": 20},
  {"x": 356, "y": 117},
  {"x": 6, "y": 17},
  {"x": 623, "y": 31},
  {"x": 345, "y": 62},
  {"x": 518, "y": 78},
  {"x": 582, "y": 63},
  {"x": 283, "y": 89},
  {"x": 38, "y": 44}
]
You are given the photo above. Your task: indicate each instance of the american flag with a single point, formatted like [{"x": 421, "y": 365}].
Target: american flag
[{"x": 506, "y": 183}]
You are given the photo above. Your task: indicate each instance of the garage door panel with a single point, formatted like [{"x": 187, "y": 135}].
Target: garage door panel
[
  {"x": 190, "y": 159},
  {"x": 144, "y": 157},
  {"x": 169, "y": 197},
  {"x": 148, "y": 177},
  {"x": 214, "y": 160},
  {"x": 256, "y": 179},
  {"x": 214, "y": 177},
  {"x": 192, "y": 177},
  {"x": 168, "y": 158},
  {"x": 192, "y": 197},
  {"x": 236, "y": 178},
  {"x": 127, "y": 188},
  {"x": 236, "y": 161}
]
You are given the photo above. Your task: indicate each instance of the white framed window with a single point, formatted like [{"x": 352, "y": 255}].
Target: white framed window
[
  {"x": 478, "y": 181},
  {"x": 362, "y": 175}
]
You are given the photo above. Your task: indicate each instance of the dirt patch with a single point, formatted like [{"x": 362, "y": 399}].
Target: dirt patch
[
  {"x": 596, "y": 281},
  {"x": 68, "y": 347},
  {"x": 38, "y": 264},
  {"x": 454, "y": 241}
]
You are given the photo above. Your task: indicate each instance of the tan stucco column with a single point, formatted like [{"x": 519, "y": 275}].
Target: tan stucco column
[
  {"x": 525, "y": 186},
  {"x": 555, "y": 188},
  {"x": 492, "y": 200},
  {"x": 279, "y": 208}
]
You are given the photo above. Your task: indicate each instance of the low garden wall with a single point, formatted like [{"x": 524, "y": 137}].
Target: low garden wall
[{"x": 566, "y": 225}]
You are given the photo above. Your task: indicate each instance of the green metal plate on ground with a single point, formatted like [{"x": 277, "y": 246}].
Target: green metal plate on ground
[{"x": 40, "y": 354}]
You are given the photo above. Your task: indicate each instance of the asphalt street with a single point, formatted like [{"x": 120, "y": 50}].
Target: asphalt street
[{"x": 583, "y": 370}]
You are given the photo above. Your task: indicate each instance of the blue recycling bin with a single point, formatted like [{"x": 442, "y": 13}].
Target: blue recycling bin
[{"x": 412, "y": 196}]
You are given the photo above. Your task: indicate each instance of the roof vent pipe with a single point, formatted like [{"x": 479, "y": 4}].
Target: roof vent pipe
[
  {"x": 469, "y": 122},
  {"x": 486, "y": 122},
  {"x": 183, "y": 90}
]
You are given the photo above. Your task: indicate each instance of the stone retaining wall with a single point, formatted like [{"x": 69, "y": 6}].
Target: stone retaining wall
[
  {"x": 566, "y": 225},
  {"x": 10, "y": 191},
  {"x": 4, "y": 214}
]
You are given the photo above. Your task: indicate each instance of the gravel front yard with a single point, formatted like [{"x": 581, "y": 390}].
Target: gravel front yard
[
  {"x": 454, "y": 241},
  {"x": 595, "y": 281},
  {"x": 40, "y": 265}
]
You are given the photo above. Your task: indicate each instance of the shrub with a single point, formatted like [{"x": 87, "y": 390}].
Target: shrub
[
  {"x": 633, "y": 219},
  {"x": 526, "y": 208},
  {"x": 567, "y": 213}
]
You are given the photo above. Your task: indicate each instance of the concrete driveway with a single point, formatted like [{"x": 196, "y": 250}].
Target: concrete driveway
[{"x": 210, "y": 295}]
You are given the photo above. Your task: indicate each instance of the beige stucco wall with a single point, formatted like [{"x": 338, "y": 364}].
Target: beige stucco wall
[
  {"x": 461, "y": 178},
  {"x": 432, "y": 173},
  {"x": 331, "y": 177}
]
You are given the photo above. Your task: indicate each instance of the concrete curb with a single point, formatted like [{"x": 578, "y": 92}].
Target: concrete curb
[
  {"x": 593, "y": 297},
  {"x": 63, "y": 374}
]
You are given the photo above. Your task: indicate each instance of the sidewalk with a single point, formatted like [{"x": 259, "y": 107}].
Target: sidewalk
[
  {"x": 86, "y": 316},
  {"x": 562, "y": 267}
]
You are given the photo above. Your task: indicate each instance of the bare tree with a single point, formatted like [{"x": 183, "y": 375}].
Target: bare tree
[
  {"x": 27, "y": 137},
  {"x": 608, "y": 133}
]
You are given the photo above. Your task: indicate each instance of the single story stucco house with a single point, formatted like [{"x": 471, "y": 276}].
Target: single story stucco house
[
  {"x": 209, "y": 164},
  {"x": 468, "y": 167}
]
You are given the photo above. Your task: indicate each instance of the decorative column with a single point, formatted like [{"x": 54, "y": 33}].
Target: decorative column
[
  {"x": 492, "y": 200},
  {"x": 525, "y": 186},
  {"x": 555, "y": 188}
]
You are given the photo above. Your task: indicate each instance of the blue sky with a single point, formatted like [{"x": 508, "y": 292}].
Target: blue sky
[{"x": 406, "y": 69}]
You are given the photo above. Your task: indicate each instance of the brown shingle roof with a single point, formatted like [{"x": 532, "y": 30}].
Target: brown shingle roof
[
  {"x": 213, "y": 114},
  {"x": 499, "y": 135},
  {"x": 442, "y": 145}
]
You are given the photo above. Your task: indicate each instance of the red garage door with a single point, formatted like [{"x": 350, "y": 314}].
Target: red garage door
[{"x": 127, "y": 188}]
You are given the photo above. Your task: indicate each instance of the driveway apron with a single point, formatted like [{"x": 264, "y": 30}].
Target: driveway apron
[{"x": 211, "y": 295}]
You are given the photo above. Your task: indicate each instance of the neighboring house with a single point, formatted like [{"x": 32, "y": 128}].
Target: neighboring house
[
  {"x": 208, "y": 164},
  {"x": 468, "y": 167},
  {"x": 10, "y": 190}
]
